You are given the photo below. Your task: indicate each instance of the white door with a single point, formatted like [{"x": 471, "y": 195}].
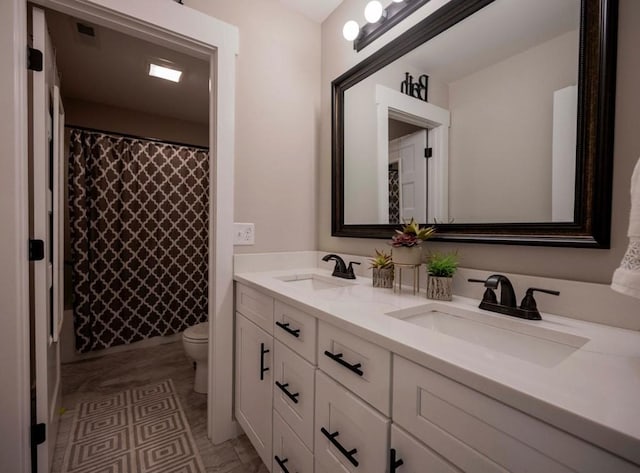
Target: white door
[
  {"x": 254, "y": 385},
  {"x": 46, "y": 225},
  {"x": 409, "y": 151}
]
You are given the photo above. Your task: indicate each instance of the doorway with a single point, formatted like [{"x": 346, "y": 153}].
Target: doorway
[{"x": 173, "y": 26}]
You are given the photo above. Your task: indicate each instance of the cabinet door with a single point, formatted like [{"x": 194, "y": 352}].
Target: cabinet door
[
  {"x": 294, "y": 392},
  {"x": 254, "y": 381},
  {"x": 350, "y": 436}
]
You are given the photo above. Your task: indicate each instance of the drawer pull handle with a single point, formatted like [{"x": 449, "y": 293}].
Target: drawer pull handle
[
  {"x": 290, "y": 395},
  {"x": 338, "y": 359},
  {"x": 394, "y": 464},
  {"x": 263, "y": 369},
  {"x": 281, "y": 463},
  {"x": 291, "y": 331},
  {"x": 348, "y": 454}
]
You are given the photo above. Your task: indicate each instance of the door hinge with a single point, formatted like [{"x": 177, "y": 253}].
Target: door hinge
[
  {"x": 36, "y": 250},
  {"x": 428, "y": 152},
  {"x": 38, "y": 434},
  {"x": 34, "y": 59}
]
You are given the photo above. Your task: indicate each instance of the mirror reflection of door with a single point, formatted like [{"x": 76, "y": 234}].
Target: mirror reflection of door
[{"x": 407, "y": 172}]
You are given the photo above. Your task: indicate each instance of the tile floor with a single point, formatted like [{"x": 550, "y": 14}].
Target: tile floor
[{"x": 89, "y": 379}]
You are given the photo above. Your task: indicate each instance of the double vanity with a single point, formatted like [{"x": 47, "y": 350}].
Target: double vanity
[{"x": 334, "y": 375}]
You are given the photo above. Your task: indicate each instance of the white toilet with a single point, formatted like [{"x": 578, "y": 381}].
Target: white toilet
[{"x": 196, "y": 345}]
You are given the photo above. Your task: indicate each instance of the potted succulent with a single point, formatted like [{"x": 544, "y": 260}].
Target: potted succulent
[
  {"x": 440, "y": 270},
  {"x": 406, "y": 243},
  {"x": 382, "y": 266}
]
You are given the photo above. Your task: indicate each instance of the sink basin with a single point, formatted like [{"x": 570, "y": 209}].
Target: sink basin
[
  {"x": 517, "y": 338},
  {"x": 314, "y": 282}
]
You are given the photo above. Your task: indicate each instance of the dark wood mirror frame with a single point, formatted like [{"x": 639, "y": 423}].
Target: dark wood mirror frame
[{"x": 594, "y": 159}]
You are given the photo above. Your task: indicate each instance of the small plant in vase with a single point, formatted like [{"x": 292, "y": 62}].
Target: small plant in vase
[
  {"x": 406, "y": 243},
  {"x": 382, "y": 266},
  {"x": 440, "y": 270}
]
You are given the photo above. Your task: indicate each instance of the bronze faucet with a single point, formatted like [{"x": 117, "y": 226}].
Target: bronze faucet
[{"x": 528, "y": 308}]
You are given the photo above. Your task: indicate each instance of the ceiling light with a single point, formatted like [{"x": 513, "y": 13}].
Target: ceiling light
[
  {"x": 350, "y": 30},
  {"x": 164, "y": 72},
  {"x": 373, "y": 11},
  {"x": 397, "y": 1}
]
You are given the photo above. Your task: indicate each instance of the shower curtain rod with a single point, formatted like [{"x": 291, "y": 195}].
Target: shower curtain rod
[{"x": 136, "y": 137}]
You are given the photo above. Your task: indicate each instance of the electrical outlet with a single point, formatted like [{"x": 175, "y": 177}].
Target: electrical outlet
[{"x": 244, "y": 234}]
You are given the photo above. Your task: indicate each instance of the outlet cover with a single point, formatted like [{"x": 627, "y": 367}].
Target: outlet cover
[{"x": 244, "y": 234}]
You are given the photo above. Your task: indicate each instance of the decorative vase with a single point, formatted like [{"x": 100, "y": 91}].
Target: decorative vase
[
  {"x": 407, "y": 255},
  {"x": 383, "y": 277},
  {"x": 439, "y": 289}
]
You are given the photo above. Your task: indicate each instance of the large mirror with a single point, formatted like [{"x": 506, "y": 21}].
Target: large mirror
[{"x": 492, "y": 119}]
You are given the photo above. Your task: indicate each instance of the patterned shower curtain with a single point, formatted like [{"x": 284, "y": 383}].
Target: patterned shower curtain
[{"x": 139, "y": 214}]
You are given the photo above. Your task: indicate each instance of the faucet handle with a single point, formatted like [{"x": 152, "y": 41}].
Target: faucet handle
[
  {"x": 350, "y": 271},
  {"x": 529, "y": 303},
  {"x": 489, "y": 295}
]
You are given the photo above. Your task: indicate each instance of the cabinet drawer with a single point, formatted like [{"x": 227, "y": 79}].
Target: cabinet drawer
[
  {"x": 256, "y": 306},
  {"x": 433, "y": 407},
  {"x": 296, "y": 329},
  {"x": 359, "y": 434},
  {"x": 294, "y": 391},
  {"x": 361, "y": 366},
  {"x": 289, "y": 453},
  {"x": 407, "y": 454}
]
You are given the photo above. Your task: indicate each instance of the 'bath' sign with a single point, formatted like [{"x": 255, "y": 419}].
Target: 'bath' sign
[{"x": 417, "y": 89}]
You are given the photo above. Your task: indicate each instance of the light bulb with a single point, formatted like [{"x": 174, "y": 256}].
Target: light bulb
[
  {"x": 373, "y": 11},
  {"x": 397, "y": 1},
  {"x": 350, "y": 30}
]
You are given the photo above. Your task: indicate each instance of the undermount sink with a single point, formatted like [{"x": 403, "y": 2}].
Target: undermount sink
[
  {"x": 521, "y": 339},
  {"x": 314, "y": 282}
]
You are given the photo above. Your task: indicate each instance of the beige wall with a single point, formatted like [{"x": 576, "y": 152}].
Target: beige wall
[
  {"x": 575, "y": 264},
  {"x": 277, "y": 121},
  {"x": 120, "y": 120}
]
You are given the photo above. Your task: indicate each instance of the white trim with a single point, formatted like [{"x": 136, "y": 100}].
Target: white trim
[
  {"x": 408, "y": 109},
  {"x": 190, "y": 31},
  {"x": 14, "y": 287}
]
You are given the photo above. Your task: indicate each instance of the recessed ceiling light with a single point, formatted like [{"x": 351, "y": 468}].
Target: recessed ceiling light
[{"x": 164, "y": 72}]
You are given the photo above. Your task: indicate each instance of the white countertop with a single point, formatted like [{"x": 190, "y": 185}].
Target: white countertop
[{"x": 594, "y": 393}]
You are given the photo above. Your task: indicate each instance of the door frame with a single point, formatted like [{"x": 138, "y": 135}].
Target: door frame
[
  {"x": 393, "y": 104},
  {"x": 175, "y": 26}
]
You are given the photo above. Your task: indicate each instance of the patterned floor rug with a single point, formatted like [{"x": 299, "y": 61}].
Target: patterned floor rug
[{"x": 141, "y": 430}]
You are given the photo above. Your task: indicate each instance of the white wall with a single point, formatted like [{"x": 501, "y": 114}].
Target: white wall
[
  {"x": 574, "y": 264},
  {"x": 14, "y": 354},
  {"x": 491, "y": 155},
  {"x": 277, "y": 121}
]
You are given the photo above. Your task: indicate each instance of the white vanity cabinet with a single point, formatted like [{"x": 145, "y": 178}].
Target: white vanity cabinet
[
  {"x": 479, "y": 434},
  {"x": 314, "y": 397},
  {"x": 254, "y": 384},
  {"x": 275, "y": 380}
]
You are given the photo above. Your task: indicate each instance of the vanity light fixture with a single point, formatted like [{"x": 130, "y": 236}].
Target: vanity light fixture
[
  {"x": 164, "y": 72},
  {"x": 373, "y": 11},
  {"x": 379, "y": 20},
  {"x": 351, "y": 30}
]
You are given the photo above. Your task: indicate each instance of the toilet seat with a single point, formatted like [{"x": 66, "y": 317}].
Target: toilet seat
[{"x": 198, "y": 333}]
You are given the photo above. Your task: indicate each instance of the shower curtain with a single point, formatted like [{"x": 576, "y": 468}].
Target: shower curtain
[{"x": 139, "y": 233}]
